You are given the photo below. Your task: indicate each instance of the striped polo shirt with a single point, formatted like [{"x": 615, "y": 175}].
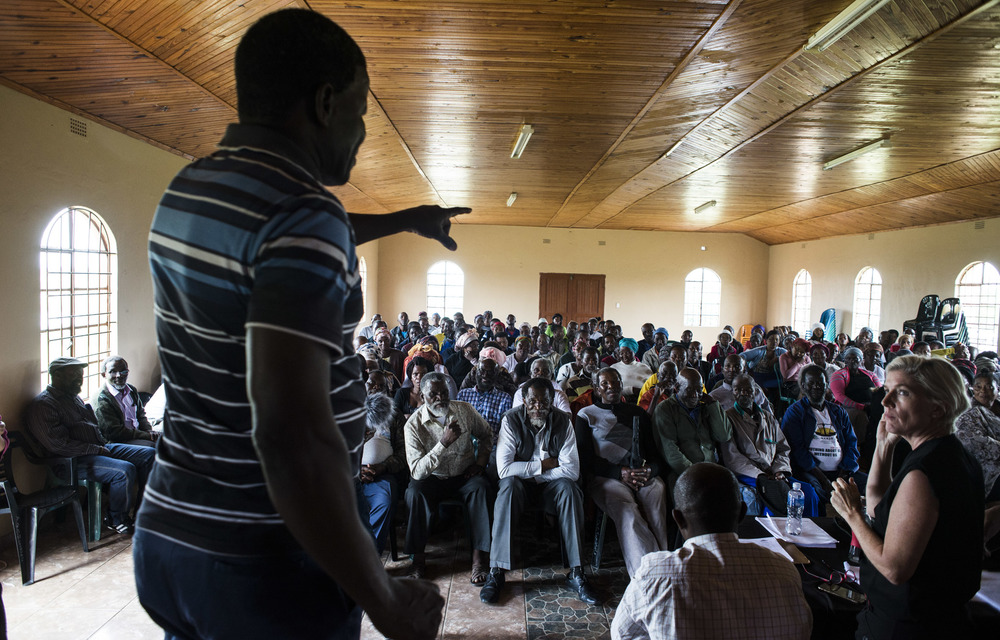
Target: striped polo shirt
[{"x": 246, "y": 237}]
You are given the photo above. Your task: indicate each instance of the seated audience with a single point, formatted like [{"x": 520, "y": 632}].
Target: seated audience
[
  {"x": 408, "y": 398},
  {"x": 921, "y": 348},
  {"x": 690, "y": 425},
  {"x": 389, "y": 354},
  {"x": 852, "y": 389},
  {"x": 60, "y": 424},
  {"x": 399, "y": 333},
  {"x": 546, "y": 351},
  {"x": 651, "y": 358},
  {"x": 369, "y": 332},
  {"x": 441, "y": 449},
  {"x": 609, "y": 349},
  {"x": 466, "y": 354},
  {"x": 820, "y": 356},
  {"x": 622, "y": 468},
  {"x": 120, "y": 414},
  {"x": 714, "y": 586},
  {"x": 978, "y": 429},
  {"x": 697, "y": 362},
  {"x": 648, "y": 340},
  {"x": 541, "y": 368},
  {"x": 633, "y": 373},
  {"x": 873, "y": 361},
  {"x": 522, "y": 353},
  {"x": 790, "y": 364},
  {"x": 817, "y": 333},
  {"x": 723, "y": 391},
  {"x": 960, "y": 360},
  {"x": 383, "y": 458},
  {"x": 582, "y": 378},
  {"x": 764, "y": 359},
  {"x": 843, "y": 341},
  {"x": 819, "y": 433},
  {"x": 724, "y": 347},
  {"x": 490, "y": 401},
  {"x": 665, "y": 387},
  {"x": 537, "y": 458},
  {"x": 758, "y": 454},
  {"x": 675, "y": 354},
  {"x": 922, "y": 547}
]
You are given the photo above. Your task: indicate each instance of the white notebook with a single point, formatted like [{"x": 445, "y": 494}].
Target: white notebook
[{"x": 812, "y": 535}]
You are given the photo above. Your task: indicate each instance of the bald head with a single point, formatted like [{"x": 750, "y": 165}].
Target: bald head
[
  {"x": 689, "y": 387},
  {"x": 707, "y": 500}
]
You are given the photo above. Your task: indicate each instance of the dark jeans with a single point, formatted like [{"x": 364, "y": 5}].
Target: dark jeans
[
  {"x": 124, "y": 471},
  {"x": 424, "y": 496},
  {"x": 860, "y": 479},
  {"x": 194, "y": 594}
]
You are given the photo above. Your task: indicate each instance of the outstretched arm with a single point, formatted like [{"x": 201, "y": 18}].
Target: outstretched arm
[{"x": 429, "y": 221}]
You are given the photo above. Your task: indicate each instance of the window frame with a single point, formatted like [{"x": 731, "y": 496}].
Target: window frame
[
  {"x": 78, "y": 292},
  {"x": 695, "y": 313},
  {"x": 972, "y": 320},
  {"x": 801, "y": 324},
  {"x": 448, "y": 302},
  {"x": 870, "y": 319}
]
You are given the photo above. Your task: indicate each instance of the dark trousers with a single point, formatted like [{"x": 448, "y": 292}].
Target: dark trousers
[
  {"x": 194, "y": 594},
  {"x": 124, "y": 471},
  {"x": 562, "y": 498},
  {"x": 424, "y": 496}
]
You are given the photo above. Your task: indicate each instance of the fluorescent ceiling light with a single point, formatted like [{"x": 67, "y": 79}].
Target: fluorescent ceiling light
[
  {"x": 841, "y": 25},
  {"x": 523, "y": 135},
  {"x": 707, "y": 205},
  {"x": 851, "y": 155},
  {"x": 511, "y": 199}
]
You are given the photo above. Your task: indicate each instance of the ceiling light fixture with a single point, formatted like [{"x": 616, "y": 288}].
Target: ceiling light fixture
[
  {"x": 841, "y": 25},
  {"x": 851, "y": 155},
  {"x": 707, "y": 205},
  {"x": 511, "y": 198},
  {"x": 523, "y": 135}
]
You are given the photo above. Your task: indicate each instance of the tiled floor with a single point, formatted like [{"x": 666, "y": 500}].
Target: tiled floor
[
  {"x": 75, "y": 594},
  {"x": 92, "y": 595}
]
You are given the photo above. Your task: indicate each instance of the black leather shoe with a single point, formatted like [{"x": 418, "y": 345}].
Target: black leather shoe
[
  {"x": 577, "y": 579},
  {"x": 490, "y": 593}
]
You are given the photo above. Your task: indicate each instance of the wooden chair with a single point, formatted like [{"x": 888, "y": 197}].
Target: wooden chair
[{"x": 26, "y": 509}]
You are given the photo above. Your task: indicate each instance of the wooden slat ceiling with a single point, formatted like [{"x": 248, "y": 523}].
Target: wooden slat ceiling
[{"x": 610, "y": 86}]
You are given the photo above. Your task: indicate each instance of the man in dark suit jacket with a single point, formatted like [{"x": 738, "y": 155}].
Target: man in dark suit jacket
[{"x": 120, "y": 415}]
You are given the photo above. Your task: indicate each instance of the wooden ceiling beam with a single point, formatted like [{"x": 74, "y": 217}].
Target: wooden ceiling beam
[
  {"x": 688, "y": 57},
  {"x": 648, "y": 172}
]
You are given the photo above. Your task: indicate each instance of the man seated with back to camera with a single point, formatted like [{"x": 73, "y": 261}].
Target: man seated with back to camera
[
  {"x": 444, "y": 463},
  {"x": 537, "y": 457},
  {"x": 714, "y": 586},
  {"x": 120, "y": 414},
  {"x": 758, "y": 454},
  {"x": 622, "y": 468},
  {"x": 821, "y": 438}
]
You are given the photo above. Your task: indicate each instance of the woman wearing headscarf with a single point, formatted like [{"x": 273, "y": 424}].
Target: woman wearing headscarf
[{"x": 633, "y": 372}]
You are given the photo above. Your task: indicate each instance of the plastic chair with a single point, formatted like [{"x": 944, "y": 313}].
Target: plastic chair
[{"x": 26, "y": 509}]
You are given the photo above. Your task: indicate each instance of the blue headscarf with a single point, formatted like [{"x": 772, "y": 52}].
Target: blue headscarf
[{"x": 630, "y": 343}]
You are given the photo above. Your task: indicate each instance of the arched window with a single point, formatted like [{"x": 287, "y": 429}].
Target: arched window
[
  {"x": 801, "y": 302},
  {"x": 79, "y": 283},
  {"x": 867, "y": 300},
  {"x": 978, "y": 287},
  {"x": 702, "y": 298},
  {"x": 363, "y": 272},
  {"x": 445, "y": 288}
]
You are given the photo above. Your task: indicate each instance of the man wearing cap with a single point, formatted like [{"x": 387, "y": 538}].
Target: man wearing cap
[
  {"x": 724, "y": 347},
  {"x": 61, "y": 424},
  {"x": 651, "y": 358},
  {"x": 120, "y": 414}
]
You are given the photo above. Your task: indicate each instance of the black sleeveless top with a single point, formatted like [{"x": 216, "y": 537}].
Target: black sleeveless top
[{"x": 931, "y": 604}]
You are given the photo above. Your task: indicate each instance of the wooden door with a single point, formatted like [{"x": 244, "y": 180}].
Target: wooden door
[{"x": 578, "y": 296}]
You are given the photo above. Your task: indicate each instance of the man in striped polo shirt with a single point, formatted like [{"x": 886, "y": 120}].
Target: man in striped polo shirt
[{"x": 250, "y": 527}]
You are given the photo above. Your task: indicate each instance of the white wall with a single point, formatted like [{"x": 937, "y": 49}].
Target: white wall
[{"x": 913, "y": 263}]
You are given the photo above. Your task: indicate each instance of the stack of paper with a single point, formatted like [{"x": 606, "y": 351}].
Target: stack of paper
[
  {"x": 769, "y": 543},
  {"x": 811, "y": 536}
]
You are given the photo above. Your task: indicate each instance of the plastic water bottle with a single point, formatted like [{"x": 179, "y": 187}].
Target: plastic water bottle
[{"x": 796, "y": 504}]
